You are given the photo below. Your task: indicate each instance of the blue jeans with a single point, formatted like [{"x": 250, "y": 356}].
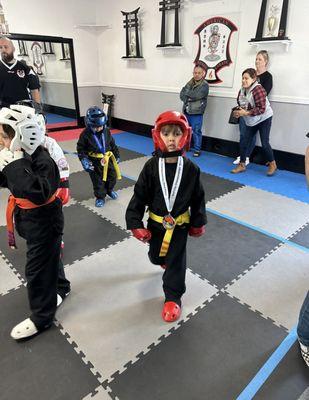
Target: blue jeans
[
  {"x": 196, "y": 122},
  {"x": 264, "y": 129},
  {"x": 242, "y": 132},
  {"x": 303, "y": 323}
]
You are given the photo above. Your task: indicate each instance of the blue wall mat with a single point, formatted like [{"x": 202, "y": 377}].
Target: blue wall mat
[{"x": 286, "y": 183}]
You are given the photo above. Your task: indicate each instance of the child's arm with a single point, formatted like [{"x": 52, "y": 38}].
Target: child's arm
[
  {"x": 114, "y": 148},
  {"x": 82, "y": 152},
  {"x": 198, "y": 217},
  {"x": 136, "y": 208},
  {"x": 82, "y": 146},
  {"x": 36, "y": 186},
  {"x": 56, "y": 153}
]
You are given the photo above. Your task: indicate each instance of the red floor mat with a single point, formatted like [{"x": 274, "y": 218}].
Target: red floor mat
[{"x": 70, "y": 134}]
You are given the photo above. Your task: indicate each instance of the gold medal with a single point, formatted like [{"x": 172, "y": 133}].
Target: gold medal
[
  {"x": 103, "y": 161},
  {"x": 168, "y": 222}
]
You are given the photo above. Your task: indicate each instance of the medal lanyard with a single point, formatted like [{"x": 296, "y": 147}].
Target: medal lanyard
[
  {"x": 100, "y": 146},
  {"x": 170, "y": 200}
]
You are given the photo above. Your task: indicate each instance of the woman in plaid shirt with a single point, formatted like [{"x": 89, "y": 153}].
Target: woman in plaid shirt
[{"x": 257, "y": 114}]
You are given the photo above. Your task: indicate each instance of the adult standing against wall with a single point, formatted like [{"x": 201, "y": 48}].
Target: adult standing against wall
[
  {"x": 265, "y": 78},
  {"x": 258, "y": 115},
  {"x": 16, "y": 79},
  {"x": 194, "y": 97}
]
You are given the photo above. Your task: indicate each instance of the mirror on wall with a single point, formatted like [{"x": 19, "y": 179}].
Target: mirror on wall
[{"x": 52, "y": 60}]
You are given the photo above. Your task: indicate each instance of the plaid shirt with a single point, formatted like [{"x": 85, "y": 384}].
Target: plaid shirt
[{"x": 259, "y": 96}]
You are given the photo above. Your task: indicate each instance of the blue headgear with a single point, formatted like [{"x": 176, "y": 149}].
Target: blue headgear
[{"x": 95, "y": 117}]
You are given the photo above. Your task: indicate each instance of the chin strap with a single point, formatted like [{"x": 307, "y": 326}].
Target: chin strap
[{"x": 162, "y": 154}]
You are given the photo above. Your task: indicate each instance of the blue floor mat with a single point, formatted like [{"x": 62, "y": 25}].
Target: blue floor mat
[
  {"x": 55, "y": 118},
  {"x": 285, "y": 183}
]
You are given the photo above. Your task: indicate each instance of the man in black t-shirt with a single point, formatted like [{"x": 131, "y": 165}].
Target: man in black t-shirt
[{"x": 16, "y": 79}]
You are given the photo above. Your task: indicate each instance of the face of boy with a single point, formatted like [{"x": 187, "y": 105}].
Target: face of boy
[
  {"x": 171, "y": 139},
  {"x": 5, "y": 141}
]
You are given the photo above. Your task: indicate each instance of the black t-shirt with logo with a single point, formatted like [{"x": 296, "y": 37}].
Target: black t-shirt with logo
[{"x": 15, "y": 82}]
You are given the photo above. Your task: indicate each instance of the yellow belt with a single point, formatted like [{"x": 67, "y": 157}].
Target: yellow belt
[
  {"x": 180, "y": 220},
  {"x": 108, "y": 155}
]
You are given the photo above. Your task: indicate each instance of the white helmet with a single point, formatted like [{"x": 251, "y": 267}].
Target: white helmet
[{"x": 28, "y": 126}]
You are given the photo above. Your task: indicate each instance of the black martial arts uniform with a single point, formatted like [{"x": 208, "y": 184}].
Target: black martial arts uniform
[
  {"x": 148, "y": 192},
  {"x": 87, "y": 144},
  {"x": 36, "y": 178}
]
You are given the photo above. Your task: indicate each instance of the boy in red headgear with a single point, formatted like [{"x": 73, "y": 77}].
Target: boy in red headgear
[{"x": 169, "y": 185}]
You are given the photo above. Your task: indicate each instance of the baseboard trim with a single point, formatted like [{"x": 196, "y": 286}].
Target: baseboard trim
[
  {"x": 285, "y": 160},
  {"x": 65, "y": 112}
]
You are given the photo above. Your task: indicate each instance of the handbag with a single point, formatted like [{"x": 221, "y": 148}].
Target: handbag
[{"x": 232, "y": 119}]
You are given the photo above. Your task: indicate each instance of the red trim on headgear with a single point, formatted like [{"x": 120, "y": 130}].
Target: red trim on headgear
[{"x": 172, "y": 118}]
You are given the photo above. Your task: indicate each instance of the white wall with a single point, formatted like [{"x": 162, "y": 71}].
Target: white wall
[
  {"x": 147, "y": 87},
  {"x": 162, "y": 74},
  {"x": 169, "y": 71},
  {"x": 58, "y": 18}
]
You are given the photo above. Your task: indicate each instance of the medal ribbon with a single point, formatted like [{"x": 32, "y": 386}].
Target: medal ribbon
[
  {"x": 170, "y": 200},
  {"x": 100, "y": 146}
]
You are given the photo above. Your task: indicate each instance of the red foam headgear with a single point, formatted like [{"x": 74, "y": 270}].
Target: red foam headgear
[{"x": 172, "y": 118}]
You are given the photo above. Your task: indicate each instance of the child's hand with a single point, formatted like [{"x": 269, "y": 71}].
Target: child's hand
[
  {"x": 87, "y": 164},
  {"x": 196, "y": 232},
  {"x": 142, "y": 234}
]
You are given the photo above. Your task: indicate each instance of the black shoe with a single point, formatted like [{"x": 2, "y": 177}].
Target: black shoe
[{"x": 61, "y": 297}]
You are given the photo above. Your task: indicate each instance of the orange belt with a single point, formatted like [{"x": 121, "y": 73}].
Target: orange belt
[{"x": 24, "y": 204}]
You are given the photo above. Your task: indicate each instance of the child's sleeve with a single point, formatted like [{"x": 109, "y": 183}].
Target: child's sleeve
[
  {"x": 37, "y": 186},
  {"x": 136, "y": 208},
  {"x": 114, "y": 147},
  {"x": 58, "y": 156},
  {"x": 3, "y": 182},
  {"x": 82, "y": 146},
  {"x": 198, "y": 209}
]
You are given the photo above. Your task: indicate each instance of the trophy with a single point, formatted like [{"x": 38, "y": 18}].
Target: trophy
[
  {"x": 131, "y": 26},
  {"x": 272, "y": 20},
  {"x": 272, "y": 27}
]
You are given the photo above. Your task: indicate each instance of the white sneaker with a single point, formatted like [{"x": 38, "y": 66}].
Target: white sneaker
[
  {"x": 247, "y": 161},
  {"x": 305, "y": 353},
  {"x": 24, "y": 329},
  {"x": 237, "y": 161},
  {"x": 59, "y": 300}
]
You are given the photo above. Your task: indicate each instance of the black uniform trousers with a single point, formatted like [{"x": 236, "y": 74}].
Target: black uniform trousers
[
  {"x": 42, "y": 229},
  {"x": 43, "y": 268},
  {"x": 100, "y": 187},
  {"x": 175, "y": 261}
]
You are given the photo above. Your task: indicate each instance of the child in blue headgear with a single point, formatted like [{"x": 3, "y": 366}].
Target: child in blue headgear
[{"x": 99, "y": 155}]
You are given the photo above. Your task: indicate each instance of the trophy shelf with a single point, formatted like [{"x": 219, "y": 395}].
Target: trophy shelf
[
  {"x": 92, "y": 26},
  {"x": 270, "y": 43},
  {"x": 170, "y": 49},
  {"x": 133, "y": 58}
]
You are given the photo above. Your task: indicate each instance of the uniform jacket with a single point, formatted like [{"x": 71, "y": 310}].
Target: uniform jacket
[
  {"x": 35, "y": 178},
  {"x": 148, "y": 192},
  {"x": 194, "y": 97}
]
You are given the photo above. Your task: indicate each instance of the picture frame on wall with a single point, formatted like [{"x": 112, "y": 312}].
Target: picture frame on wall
[
  {"x": 65, "y": 49},
  {"x": 23, "y": 52},
  {"x": 272, "y": 21}
]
